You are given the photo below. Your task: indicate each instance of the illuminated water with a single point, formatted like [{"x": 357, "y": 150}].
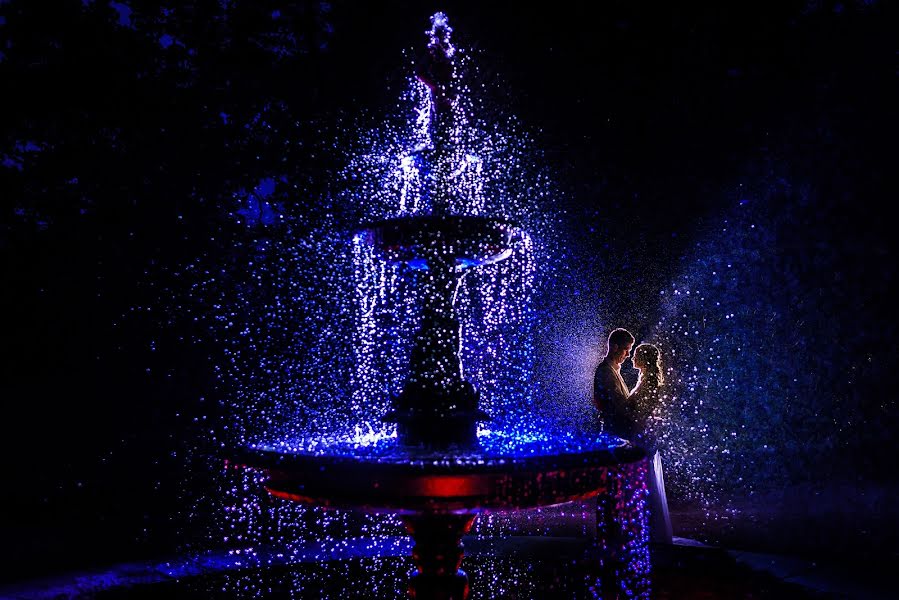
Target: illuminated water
[
  {"x": 494, "y": 446},
  {"x": 315, "y": 331}
]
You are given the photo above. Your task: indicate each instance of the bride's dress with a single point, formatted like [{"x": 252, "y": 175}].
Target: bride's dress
[{"x": 646, "y": 398}]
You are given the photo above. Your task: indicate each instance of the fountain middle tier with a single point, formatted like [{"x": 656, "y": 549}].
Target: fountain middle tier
[{"x": 470, "y": 241}]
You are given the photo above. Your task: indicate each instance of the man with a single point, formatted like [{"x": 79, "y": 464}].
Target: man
[{"x": 610, "y": 393}]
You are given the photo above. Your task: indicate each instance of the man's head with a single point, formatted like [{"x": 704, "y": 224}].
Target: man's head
[{"x": 620, "y": 343}]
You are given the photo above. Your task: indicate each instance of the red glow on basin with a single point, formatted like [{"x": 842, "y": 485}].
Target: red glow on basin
[
  {"x": 450, "y": 486},
  {"x": 290, "y": 496}
]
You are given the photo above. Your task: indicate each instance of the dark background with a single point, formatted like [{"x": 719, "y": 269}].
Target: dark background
[{"x": 121, "y": 134}]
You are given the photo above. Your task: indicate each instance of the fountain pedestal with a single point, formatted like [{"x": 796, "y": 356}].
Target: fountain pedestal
[{"x": 438, "y": 555}]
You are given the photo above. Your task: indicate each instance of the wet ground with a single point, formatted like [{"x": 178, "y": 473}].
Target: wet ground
[
  {"x": 839, "y": 542},
  {"x": 512, "y": 568}
]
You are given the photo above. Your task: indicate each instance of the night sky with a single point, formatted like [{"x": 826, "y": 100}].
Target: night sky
[{"x": 128, "y": 127}]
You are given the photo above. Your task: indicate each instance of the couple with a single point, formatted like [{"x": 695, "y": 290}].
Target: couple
[{"x": 628, "y": 414}]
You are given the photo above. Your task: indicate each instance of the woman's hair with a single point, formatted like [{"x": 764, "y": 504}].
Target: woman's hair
[{"x": 650, "y": 356}]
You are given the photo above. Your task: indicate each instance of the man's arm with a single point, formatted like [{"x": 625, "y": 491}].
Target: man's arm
[
  {"x": 596, "y": 390},
  {"x": 605, "y": 390}
]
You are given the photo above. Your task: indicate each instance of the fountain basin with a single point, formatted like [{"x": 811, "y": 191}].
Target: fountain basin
[
  {"x": 439, "y": 493},
  {"x": 436, "y": 483}
]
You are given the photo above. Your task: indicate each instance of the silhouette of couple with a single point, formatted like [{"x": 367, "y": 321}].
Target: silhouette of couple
[{"x": 629, "y": 414}]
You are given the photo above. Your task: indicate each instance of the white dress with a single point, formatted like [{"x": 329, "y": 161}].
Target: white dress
[
  {"x": 646, "y": 395},
  {"x": 659, "y": 519}
]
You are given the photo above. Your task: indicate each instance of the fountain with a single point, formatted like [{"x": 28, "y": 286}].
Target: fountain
[{"x": 437, "y": 474}]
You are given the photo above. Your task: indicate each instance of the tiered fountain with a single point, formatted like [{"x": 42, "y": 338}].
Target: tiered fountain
[{"x": 437, "y": 475}]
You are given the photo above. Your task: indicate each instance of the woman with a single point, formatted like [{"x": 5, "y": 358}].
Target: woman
[{"x": 645, "y": 401}]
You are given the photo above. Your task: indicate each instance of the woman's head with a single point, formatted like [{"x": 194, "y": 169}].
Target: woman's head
[{"x": 647, "y": 357}]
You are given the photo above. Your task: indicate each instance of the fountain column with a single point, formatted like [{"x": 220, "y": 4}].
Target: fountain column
[
  {"x": 438, "y": 556},
  {"x": 437, "y": 407}
]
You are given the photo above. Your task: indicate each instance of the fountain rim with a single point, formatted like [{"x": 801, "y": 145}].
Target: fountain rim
[
  {"x": 512, "y": 228},
  {"x": 431, "y": 217},
  {"x": 467, "y": 461}
]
